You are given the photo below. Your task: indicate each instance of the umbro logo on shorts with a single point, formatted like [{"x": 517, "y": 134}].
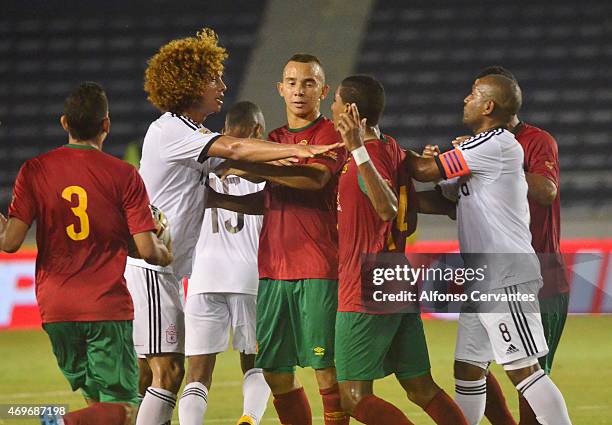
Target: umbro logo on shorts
[
  {"x": 319, "y": 351},
  {"x": 512, "y": 349}
]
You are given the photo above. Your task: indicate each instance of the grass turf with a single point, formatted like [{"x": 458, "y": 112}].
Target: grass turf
[{"x": 29, "y": 374}]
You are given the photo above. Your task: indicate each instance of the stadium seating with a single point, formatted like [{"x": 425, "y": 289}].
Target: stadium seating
[
  {"x": 46, "y": 53},
  {"x": 426, "y": 53}
]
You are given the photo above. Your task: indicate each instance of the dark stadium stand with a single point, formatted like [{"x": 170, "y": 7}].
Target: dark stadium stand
[
  {"x": 427, "y": 52},
  {"x": 47, "y": 48}
]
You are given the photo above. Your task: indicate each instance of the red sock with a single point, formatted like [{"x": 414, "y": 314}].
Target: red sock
[
  {"x": 293, "y": 408},
  {"x": 372, "y": 410},
  {"x": 97, "y": 414},
  {"x": 496, "y": 409},
  {"x": 332, "y": 411},
  {"x": 444, "y": 411},
  {"x": 526, "y": 413}
]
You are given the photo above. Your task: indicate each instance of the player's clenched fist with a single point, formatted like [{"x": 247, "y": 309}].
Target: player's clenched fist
[
  {"x": 430, "y": 151},
  {"x": 352, "y": 128},
  {"x": 163, "y": 227},
  {"x": 162, "y": 233}
]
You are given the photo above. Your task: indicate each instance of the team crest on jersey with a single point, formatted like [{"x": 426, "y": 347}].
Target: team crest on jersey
[
  {"x": 319, "y": 351},
  {"x": 549, "y": 164},
  {"x": 205, "y": 131},
  {"x": 303, "y": 142},
  {"x": 171, "y": 335}
]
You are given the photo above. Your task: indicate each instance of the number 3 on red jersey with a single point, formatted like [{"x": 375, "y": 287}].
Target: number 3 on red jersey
[{"x": 80, "y": 211}]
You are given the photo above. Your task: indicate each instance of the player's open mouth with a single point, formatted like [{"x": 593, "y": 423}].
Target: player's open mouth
[{"x": 219, "y": 100}]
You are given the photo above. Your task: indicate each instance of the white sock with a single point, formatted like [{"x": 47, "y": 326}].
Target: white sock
[
  {"x": 471, "y": 396},
  {"x": 256, "y": 392},
  {"x": 156, "y": 407},
  {"x": 193, "y": 404},
  {"x": 545, "y": 399}
]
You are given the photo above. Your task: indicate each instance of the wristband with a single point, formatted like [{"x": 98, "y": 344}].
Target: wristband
[{"x": 360, "y": 155}]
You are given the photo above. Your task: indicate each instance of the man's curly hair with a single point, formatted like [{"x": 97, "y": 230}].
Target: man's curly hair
[{"x": 177, "y": 75}]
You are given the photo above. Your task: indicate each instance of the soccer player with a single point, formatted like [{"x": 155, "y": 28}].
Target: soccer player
[
  {"x": 298, "y": 251},
  {"x": 485, "y": 174},
  {"x": 371, "y": 346},
  {"x": 222, "y": 290},
  {"x": 86, "y": 205},
  {"x": 542, "y": 173},
  {"x": 184, "y": 81}
]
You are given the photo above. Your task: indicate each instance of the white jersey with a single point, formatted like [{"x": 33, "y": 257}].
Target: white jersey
[
  {"x": 226, "y": 252},
  {"x": 173, "y": 166},
  {"x": 492, "y": 210}
]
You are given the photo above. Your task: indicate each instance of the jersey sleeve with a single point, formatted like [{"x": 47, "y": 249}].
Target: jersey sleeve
[
  {"x": 450, "y": 188},
  {"x": 478, "y": 157},
  {"x": 542, "y": 158},
  {"x": 136, "y": 205},
  {"x": 334, "y": 159},
  {"x": 194, "y": 146},
  {"x": 23, "y": 204}
]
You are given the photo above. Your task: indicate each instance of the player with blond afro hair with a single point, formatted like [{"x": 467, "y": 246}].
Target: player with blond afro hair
[{"x": 177, "y": 75}]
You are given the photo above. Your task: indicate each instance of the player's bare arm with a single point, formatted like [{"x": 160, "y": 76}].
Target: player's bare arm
[
  {"x": 304, "y": 176},
  {"x": 432, "y": 166},
  {"x": 226, "y": 169},
  {"x": 12, "y": 233},
  {"x": 423, "y": 169},
  {"x": 380, "y": 193},
  {"x": 255, "y": 150},
  {"x": 253, "y": 203},
  {"x": 433, "y": 202},
  {"x": 152, "y": 250},
  {"x": 541, "y": 189}
]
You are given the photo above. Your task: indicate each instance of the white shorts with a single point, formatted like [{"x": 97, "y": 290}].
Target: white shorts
[
  {"x": 209, "y": 317},
  {"x": 159, "y": 321},
  {"x": 508, "y": 331}
]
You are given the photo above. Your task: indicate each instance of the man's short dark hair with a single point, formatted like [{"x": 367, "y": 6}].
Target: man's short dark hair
[
  {"x": 85, "y": 109},
  {"x": 305, "y": 58},
  {"x": 242, "y": 114},
  {"x": 367, "y": 93},
  {"x": 496, "y": 70}
]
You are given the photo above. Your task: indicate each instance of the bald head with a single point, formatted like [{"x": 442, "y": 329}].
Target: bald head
[
  {"x": 245, "y": 119},
  {"x": 504, "y": 92}
]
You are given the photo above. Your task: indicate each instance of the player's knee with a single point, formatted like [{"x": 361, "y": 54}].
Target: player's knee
[
  {"x": 145, "y": 376},
  {"x": 280, "y": 383},
  {"x": 171, "y": 374},
  {"x": 200, "y": 369},
  {"x": 420, "y": 390},
  {"x": 519, "y": 370},
  {"x": 349, "y": 398},
  {"x": 468, "y": 370},
  {"x": 247, "y": 362},
  {"x": 326, "y": 378}
]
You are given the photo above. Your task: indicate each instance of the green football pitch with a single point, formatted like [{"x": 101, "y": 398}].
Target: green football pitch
[{"x": 28, "y": 374}]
